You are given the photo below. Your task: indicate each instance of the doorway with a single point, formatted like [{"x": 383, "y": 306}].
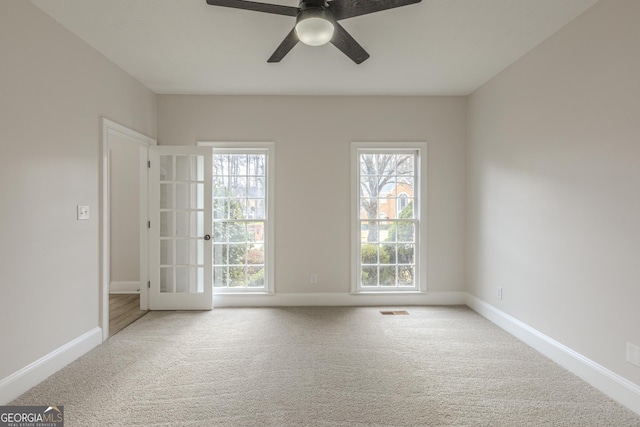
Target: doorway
[{"x": 124, "y": 266}]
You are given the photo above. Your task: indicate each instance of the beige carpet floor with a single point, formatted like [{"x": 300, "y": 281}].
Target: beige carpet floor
[{"x": 437, "y": 366}]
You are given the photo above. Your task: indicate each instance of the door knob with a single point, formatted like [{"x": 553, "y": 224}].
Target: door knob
[{"x": 207, "y": 237}]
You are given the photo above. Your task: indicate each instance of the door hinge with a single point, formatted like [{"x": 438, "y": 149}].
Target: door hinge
[
  {"x": 149, "y": 284},
  {"x": 148, "y": 224},
  {"x": 149, "y": 164}
]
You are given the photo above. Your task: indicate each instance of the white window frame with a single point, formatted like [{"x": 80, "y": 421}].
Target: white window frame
[
  {"x": 225, "y": 147},
  {"x": 420, "y": 210}
]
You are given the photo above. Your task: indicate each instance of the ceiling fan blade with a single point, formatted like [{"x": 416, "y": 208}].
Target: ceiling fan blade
[
  {"x": 343, "y": 9},
  {"x": 287, "y": 44},
  {"x": 255, "y": 6},
  {"x": 347, "y": 44}
]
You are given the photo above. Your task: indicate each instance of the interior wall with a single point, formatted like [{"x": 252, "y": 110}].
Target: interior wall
[
  {"x": 553, "y": 174},
  {"x": 125, "y": 210},
  {"x": 312, "y": 138},
  {"x": 55, "y": 88}
]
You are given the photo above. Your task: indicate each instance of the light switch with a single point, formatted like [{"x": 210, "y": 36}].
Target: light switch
[{"x": 83, "y": 212}]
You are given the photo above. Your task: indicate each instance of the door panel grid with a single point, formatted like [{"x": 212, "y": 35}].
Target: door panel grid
[{"x": 181, "y": 276}]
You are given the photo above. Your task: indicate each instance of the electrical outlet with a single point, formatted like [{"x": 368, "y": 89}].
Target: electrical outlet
[
  {"x": 83, "y": 212},
  {"x": 313, "y": 279},
  {"x": 499, "y": 292},
  {"x": 633, "y": 354}
]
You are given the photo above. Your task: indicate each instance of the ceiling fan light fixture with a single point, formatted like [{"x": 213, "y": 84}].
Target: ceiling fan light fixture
[{"x": 313, "y": 27}]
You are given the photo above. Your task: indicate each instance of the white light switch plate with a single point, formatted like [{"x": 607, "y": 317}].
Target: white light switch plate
[{"x": 83, "y": 212}]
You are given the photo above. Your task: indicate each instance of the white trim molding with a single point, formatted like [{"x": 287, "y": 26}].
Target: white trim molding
[
  {"x": 133, "y": 287},
  {"x": 19, "y": 382},
  {"x": 419, "y": 150},
  {"x": 613, "y": 385},
  {"x": 338, "y": 299}
]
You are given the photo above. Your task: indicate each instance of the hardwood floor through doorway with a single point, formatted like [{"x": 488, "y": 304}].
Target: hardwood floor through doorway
[{"x": 124, "y": 309}]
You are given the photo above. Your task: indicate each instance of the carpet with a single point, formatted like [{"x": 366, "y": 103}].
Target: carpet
[{"x": 321, "y": 366}]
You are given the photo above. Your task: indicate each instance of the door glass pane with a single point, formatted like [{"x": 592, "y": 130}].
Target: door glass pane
[
  {"x": 182, "y": 196},
  {"x": 166, "y": 279},
  {"x": 166, "y": 252},
  {"x": 182, "y": 223},
  {"x": 166, "y": 224},
  {"x": 185, "y": 166},
  {"x": 182, "y": 280},
  {"x": 200, "y": 280},
  {"x": 166, "y": 168},
  {"x": 166, "y": 196},
  {"x": 182, "y": 252}
]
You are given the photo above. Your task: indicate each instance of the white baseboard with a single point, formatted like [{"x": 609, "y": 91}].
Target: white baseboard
[
  {"x": 338, "y": 299},
  {"x": 124, "y": 287},
  {"x": 19, "y": 382},
  {"x": 613, "y": 385}
]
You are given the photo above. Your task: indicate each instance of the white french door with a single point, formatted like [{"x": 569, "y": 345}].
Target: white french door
[{"x": 180, "y": 228}]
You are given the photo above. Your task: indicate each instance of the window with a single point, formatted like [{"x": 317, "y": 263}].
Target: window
[
  {"x": 242, "y": 237},
  {"x": 386, "y": 211}
]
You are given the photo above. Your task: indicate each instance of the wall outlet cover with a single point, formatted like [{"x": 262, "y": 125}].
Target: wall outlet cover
[{"x": 83, "y": 212}]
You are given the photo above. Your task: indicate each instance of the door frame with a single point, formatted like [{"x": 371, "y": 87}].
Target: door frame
[{"x": 109, "y": 128}]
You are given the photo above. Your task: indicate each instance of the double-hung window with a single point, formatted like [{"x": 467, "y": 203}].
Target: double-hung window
[
  {"x": 387, "y": 205},
  {"x": 242, "y": 202}
]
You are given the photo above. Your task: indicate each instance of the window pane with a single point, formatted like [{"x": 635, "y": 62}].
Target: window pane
[
  {"x": 219, "y": 277},
  {"x": 237, "y": 208},
  {"x": 405, "y": 275},
  {"x": 406, "y": 231},
  {"x": 387, "y": 218},
  {"x": 369, "y": 254},
  {"x": 220, "y": 209},
  {"x": 220, "y": 254},
  {"x": 237, "y": 277},
  {"x": 405, "y": 164},
  {"x": 406, "y": 254},
  {"x": 237, "y": 231},
  {"x": 255, "y": 232},
  {"x": 240, "y": 184},
  {"x": 388, "y": 253},
  {"x": 369, "y": 208},
  {"x": 255, "y": 276},
  {"x": 255, "y": 254},
  {"x": 368, "y": 164},
  {"x": 369, "y": 276},
  {"x": 236, "y": 254},
  {"x": 387, "y": 275}
]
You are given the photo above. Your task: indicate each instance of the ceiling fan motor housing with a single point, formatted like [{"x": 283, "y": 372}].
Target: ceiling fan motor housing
[{"x": 314, "y": 23}]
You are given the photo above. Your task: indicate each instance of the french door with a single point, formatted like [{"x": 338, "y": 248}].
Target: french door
[{"x": 180, "y": 228}]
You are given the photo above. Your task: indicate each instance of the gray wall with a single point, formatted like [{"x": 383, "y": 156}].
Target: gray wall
[
  {"x": 54, "y": 89},
  {"x": 553, "y": 181},
  {"x": 312, "y": 137},
  {"x": 125, "y": 210}
]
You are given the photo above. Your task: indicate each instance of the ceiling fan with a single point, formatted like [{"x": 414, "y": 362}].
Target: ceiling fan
[{"x": 317, "y": 22}]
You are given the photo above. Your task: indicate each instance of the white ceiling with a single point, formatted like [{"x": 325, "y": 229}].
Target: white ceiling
[{"x": 436, "y": 47}]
